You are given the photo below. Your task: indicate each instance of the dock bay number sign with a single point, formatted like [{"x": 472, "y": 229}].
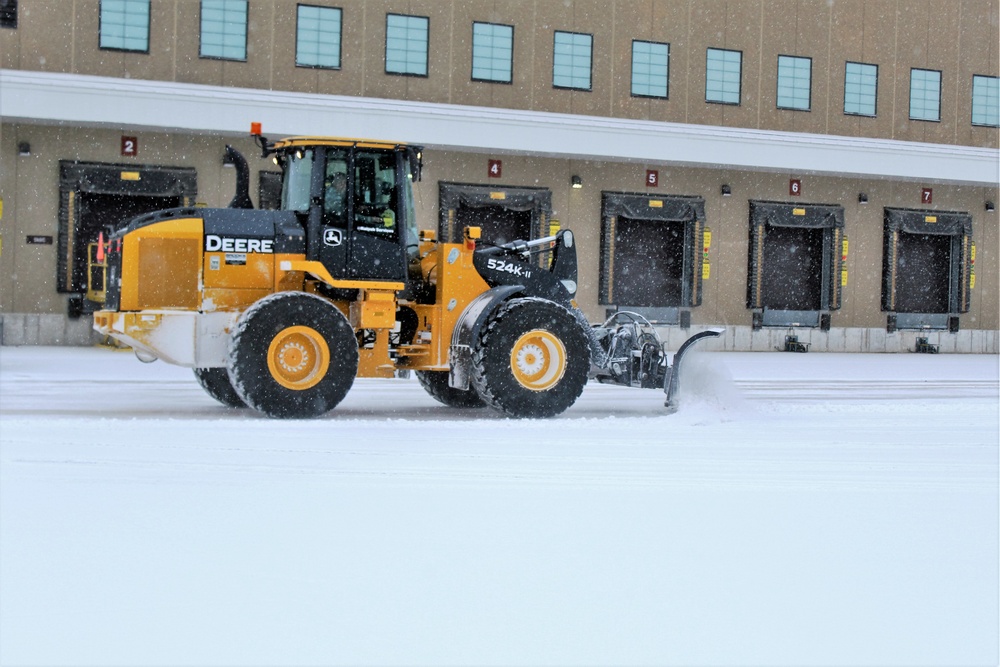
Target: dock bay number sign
[{"x": 130, "y": 146}]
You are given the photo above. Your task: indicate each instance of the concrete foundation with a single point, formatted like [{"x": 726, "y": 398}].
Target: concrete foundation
[{"x": 35, "y": 329}]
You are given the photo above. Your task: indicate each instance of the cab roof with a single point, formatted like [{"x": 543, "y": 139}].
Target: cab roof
[{"x": 294, "y": 142}]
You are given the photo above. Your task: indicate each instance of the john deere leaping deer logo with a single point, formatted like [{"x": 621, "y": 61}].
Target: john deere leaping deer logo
[{"x": 333, "y": 237}]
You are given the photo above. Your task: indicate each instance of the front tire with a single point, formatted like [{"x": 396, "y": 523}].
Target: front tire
[
  {"x": 215, "y": 382},
  {"x": 531, "y": 359},
  {"x": 436, "y": 384},
  {"x": 293, "y": 355}
]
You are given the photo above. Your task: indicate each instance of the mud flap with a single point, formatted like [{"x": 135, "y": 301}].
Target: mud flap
[{"x": 671, "y": 383}]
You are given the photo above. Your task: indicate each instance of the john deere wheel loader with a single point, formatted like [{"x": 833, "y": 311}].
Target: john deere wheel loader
[{"x": 281, "y": 310}]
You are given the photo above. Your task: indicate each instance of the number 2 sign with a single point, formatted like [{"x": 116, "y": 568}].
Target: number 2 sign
[{"x": 130, "y": 146}]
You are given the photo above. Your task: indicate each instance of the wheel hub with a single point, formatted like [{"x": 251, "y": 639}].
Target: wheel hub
[
  {"x": 538, "y": 360},
  {"x": 298, "y": 357}
]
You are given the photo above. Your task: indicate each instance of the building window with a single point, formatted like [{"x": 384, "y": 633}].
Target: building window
[
  {"x": 125, "y": 25},
  {"x": 722, "y": 76},
  {"x": 571, "y": 57},
  {"x": 492, "y": 52},
  {"x": 317, "y": 37},
  {"x": 925, "y": 94},
  {"x": 8, "y": 13},
  {"x": 860, "y": 89},
  {"x": 650, "y": 69},
  {"x": 224, "y": 29},
  {"x": 794, "y": 82},
  {"x": 406, "y": 40},
  {"x": 985, "y": 100}
]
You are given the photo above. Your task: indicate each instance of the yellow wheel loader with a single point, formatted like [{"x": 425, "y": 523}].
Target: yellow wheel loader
[{"x": 280, "y": 310}]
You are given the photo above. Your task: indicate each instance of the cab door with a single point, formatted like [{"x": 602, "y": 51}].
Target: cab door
[
  {"x": 361, "y": 215},
  {"x": 376, "y": 250}
]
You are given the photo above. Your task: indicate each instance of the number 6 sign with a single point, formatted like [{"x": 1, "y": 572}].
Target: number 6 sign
[{"x": 795, "y": 187}]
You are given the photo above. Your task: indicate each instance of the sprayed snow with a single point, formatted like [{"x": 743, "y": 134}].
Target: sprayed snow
[{"x": 799, "y": 509}]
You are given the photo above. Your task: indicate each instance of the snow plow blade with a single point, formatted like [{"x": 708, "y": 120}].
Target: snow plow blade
[{"x": 671, "y": 384}]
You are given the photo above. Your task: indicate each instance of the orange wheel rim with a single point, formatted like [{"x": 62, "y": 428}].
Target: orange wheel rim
[
  {"x": 538, "y": 360},
  {"x": 298, "y": 358}
]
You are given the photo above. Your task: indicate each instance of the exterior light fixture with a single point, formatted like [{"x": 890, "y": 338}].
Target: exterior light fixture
[
  {"x": 862, "y": 198},
  {"x": 23, "y": 148},
  {"x": 227, "y": 160},
  {"x": 990, "y": 206},
  {"x": 726, "y": 190},
  {"x": 576, "y": 182}
]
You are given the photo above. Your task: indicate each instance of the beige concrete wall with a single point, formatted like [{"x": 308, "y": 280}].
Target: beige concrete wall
[
  {"x": 728, "y": 218},
  {"x": 29, "y": 187},
  {"x": 957, "y": 37}
]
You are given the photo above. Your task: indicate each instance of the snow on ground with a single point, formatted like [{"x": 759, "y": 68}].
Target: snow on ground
[{"x": 799, "y": 509}]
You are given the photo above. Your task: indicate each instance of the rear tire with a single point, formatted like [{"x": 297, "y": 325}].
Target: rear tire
[
  {"x": 215, "y": 382},
  {"x": 531, "y": 359},
  {"x": 436, "y": 384},
  {"x": 293, "y": 355}
]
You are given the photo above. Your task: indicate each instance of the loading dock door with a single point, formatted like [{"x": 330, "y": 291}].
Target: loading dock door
[
  {"x": 651, "y": 253},
  {"x": 650, "y": 270},
  {"x": 504, "y": 213},
  {"x": 96, "y": 197},
  {"x": 794, "y": 262},
  {"x": 499, "y": 225},
  {"x": 926, "y": 265}
]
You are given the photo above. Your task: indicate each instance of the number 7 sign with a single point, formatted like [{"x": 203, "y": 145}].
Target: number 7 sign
[{"x": 926, "y": 196}]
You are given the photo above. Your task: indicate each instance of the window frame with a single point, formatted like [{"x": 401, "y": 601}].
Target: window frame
[
  {"x": 777, "y": 94},
  {"x": 973, "y": 110},
  {"x": 940, "y": 94},
  {"x": 472, "y": 73},
  {"x": 427, "y": 49},
  {"x": 874, "y": 113},
  {"x": 590, "y": 61},
  {"x": 666, "y": 94},
  {"x": 340, "y": 35},
  {"x": 739, "y": 91},
  {"x": 122, "y": 49},
  {"x": 201, "y": 32},
  {"x": 8, "y": 14}
]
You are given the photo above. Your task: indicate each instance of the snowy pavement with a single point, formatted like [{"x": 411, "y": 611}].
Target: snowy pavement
[{"x": 799, "y": 509}]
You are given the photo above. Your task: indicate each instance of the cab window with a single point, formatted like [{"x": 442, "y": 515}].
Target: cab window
[
  {"x": 298, "y": 175},
  {"x": 375, "y": 192},
  {"x": 335, "y": 191}
]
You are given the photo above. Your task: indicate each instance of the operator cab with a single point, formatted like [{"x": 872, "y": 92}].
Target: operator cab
[{"x": 355, "y": 200}]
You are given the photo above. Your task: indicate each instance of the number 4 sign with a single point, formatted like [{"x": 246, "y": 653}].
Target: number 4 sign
[{"x": 495, "y": 169}]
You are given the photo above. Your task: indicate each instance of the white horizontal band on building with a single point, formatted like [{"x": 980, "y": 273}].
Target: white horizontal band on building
[{"x": 55, "y": 98}]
